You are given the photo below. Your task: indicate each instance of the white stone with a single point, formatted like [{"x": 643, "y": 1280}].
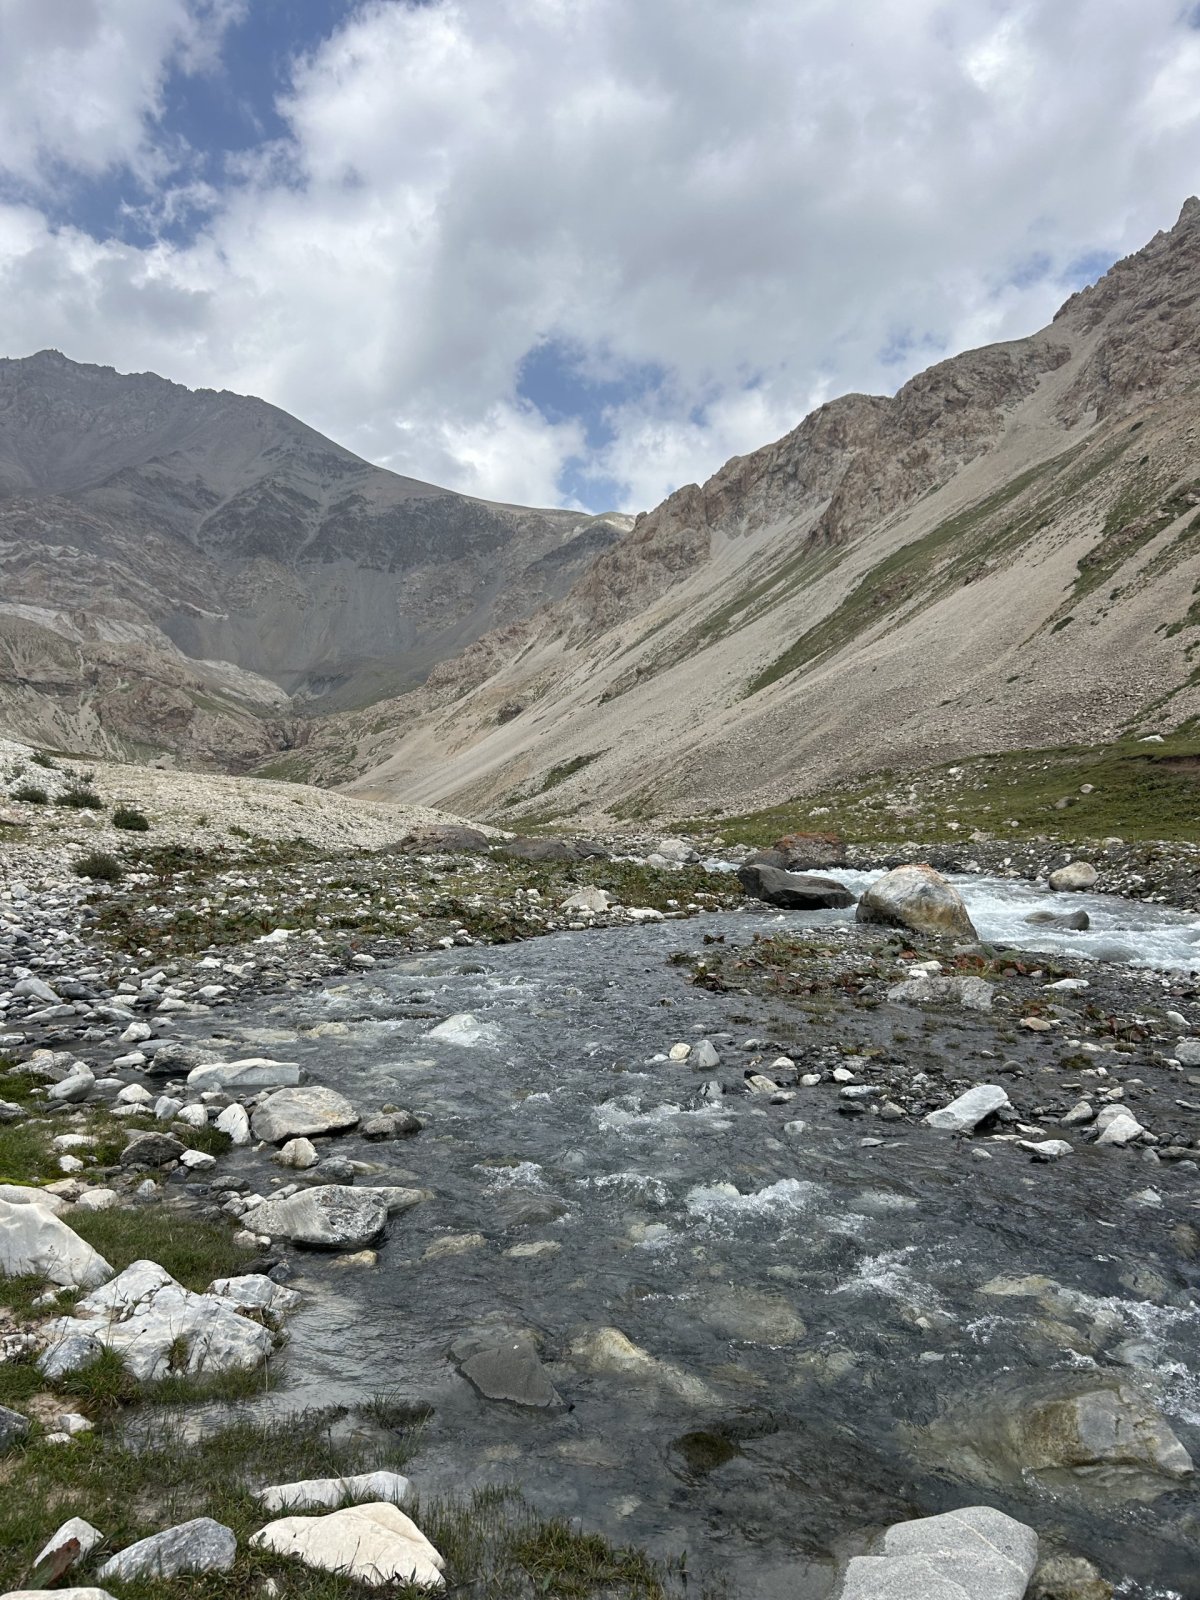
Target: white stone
[
  {"x": 332, "y": 1217},
  {"x": 679, "y": 1052},
  {"x": 463, "y": 1029},
  {"x": 299, "y": 1113},
  {"x": 166, "y": 1106},
  {"x": 34, "y": 1241},
  {"x": 20, "y": 1194},
  {"x": 235, "y": 1122},
  {"x": 201, "y": 1545},
  {"x": 248, "y": 1072},
  {"x": 75, "y": 1528},
  {"x": 87, "y": 1593},
  {"x": 254, "y": 1291},
  {"x": 312, "y": 1494},
  {"x": 1047, "y": 1149},
  {"x": 97, "y": 1200},
  {"x": 1075, "y": 875},
  {"x": 375, "y": 1543},
  {"x": 965, "y": 1113},
  {"x": 197, "y": 1160},
  {"x": 134, "y": 1094},
  {"x": 193, "y": 1116},
  {"x": 1123, "y": 1129},
  {"x": 588, "y": 900},
  {"x": 74, "y": 1088},
  {"x": 298, "y": 1153}
]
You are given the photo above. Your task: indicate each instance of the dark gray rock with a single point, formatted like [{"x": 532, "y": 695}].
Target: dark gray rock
[
  {"x": 13, "y": 1428},
  {"x": 528, "y": 848},
  {"x": 794, "y": 891},
  {"x": 503, "y": 1364},
  {"x": 151, "y": 1150},
  {"x": 391, "y": 1125}
]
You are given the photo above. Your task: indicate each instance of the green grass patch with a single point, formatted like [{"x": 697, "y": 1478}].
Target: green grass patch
[{"x": 192, "y": 1251}]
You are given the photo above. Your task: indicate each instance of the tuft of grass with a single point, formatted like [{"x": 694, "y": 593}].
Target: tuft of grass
[
  {"x": 32, "y": 794},
  {"x": 129, "y": 818},
  {"x": 100, "y": 866}
]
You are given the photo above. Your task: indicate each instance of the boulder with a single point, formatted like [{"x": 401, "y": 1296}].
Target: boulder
[
  {"x": 299, "y": 1113},
  {"x": 374, "y": 1543},
  {"x": 298, "y": 1153},
  {"x": 795, "y": 891},
  {"x": 391, "y": 1125},
  {"x": 1187, "y": 1052},
  {"x": 465, "y": 1029},
  {"x": 255, "y": 1292},
  {"x": 588, "y": 901},
  {"x": 75, "y": 1532},
  {"x": 201, "y": 1545},
  {"x": 234, "y": 1122},
  {"x": 311, "y": 1494},
  {"x": 248, "y": 1074},
  {"x": 1063, "y": 1577},
  {"x": 1099, "y": 1428},
  {"x": 918, "y": 898},
  {"x": 551, "y": 849},
  {"x": 970, "y": 1109},
  {"x": 449, "y": 838},
  {"x": 678, "y": 851},
  {"x": 23, "y": 1194},
  {"x": 157, "y": 1327},
  {"x": 330, "y": 1218},
  {"x": 977, "y": 1553},
  {"x": 802, "y": 852},
  {"x": 503, "y": 1364},
  {"x": 1074, "y": 876},
  {"x": 33, "y": 1241},
  {"x": 151, "y": 1150},
  {"x": 973, "y": 994},
  {"x": 1073, "y": 921}
]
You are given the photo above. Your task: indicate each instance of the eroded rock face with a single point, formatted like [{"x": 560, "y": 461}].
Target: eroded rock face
[
  {"x": 918, "y": 898},
  {"x": 796, "y": 891}
]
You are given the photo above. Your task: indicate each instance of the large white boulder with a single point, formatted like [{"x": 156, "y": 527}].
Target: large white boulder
[
  {"x": 249, "y": 1073},
  {"x": 966, "y": 1113},
  {"x": 157, "y": 1327},
  {"x": 34, "y": 1241},
  {"x": 1075, "y": 875},
  {"x": 376, "y": 1544},
  {"x": 300, "y": 1113},
  {"x": 22, "y": 1194},
  {"x": 977, "y": 1553}
]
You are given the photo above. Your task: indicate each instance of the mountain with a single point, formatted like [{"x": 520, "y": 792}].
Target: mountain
[
  {"x": 196, "y": 570},
  {"x": 1004, "y": 554}
]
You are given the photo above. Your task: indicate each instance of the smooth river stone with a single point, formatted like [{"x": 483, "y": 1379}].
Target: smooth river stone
[{"x": 300, "y": 1113}]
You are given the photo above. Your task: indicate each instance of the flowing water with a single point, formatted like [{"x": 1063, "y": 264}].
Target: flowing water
[{"x": 830, "y": 1361}]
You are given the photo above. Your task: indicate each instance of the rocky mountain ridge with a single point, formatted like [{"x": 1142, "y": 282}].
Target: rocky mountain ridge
[{"x": 1003, "y": 554}]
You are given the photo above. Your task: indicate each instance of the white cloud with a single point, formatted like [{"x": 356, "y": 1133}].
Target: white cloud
[{"x": 768, "y": 202}]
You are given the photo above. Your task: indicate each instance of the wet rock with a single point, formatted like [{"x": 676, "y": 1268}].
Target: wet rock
[
  {"x": 34, "y": 1242},
  {"x": 973, "y": 994},
  {"x": 1187, "y": 1052},
  {"x": 245, "y": 1076},
  {"x": 391, "y": 1125},
  {"x": 977, "y": 1553},
  {"x": 1099, "y": 1428},
  {"x": 235, "y": 1122},
  {"x": 751, "y": 1315},
  {"x": 330, "y": 1218},
  {"x": 970, "y": 1109},
  {"x": 1120, "y": 1129},
  {"x": 255, "y": 1292},
  {"x": 375, "y": 1544},
  {"x": 298, "y": 1153},
  {"x": 793, "y": 891},
  {"x": 300, "y": 1113},
  {"x": 463, "y": 1028},
  {"x": 1047, "y": 1149},
  {"x": 310, "y": 1494},
  {"x": 1072, "y": 921},
  {"x": 607, "y": 1350},
  {"x": 529, "y": 1211},
  {"x": 1076, "y": 875},
  {"x": 453, "y": 1244},
  {"x": 919, "y": 898},
  {"x": 151, "y": 1150},
  {"x": 503, "y": 1364},
  {"x": 704, "y": 1056},
  {"x": 1064, "y": 1577},
  {"x": 201, "y": 1545},
  {"x": 13, "y": 1428}
]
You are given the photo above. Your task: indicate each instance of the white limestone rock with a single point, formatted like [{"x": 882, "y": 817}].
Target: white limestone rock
[{"x": 374, "y": 1543}]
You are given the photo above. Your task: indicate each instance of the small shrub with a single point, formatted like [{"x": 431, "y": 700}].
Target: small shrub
[
  {"x": 41, "y": 759},
  {"x": 100, "y": 866},
  {"x": 80, "y": 798},
  {"x": 31, "y": 794},
  {"x": 130, "y": 818},
  {"x": 239, "y": 832}
]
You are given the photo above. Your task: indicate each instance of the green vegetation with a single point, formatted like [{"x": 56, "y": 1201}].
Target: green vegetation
[
  {"x": 134, "y": 1480},
  {"x": 129, "y": 818},
  {"x": 1139, "y": 792},
  {"x": 31, "y": 794},
  {"x": 559, "y": 774},
  {"x": 99, "y": 865},
  {"x": 41, "y": 759},
  {"x": 80, "y": 797}
]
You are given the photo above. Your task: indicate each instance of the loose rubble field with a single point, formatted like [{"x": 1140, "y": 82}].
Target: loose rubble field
[{"x": 142, "y": 1275}]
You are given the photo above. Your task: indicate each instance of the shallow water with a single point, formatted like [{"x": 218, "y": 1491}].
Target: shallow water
[{"x": 818, "y": 1301}]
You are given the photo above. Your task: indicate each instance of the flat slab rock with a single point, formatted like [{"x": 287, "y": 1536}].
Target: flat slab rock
[
  {"x": 330, "y": 1217},
  {"x": 970, "y": 1109},
  {"x": 503, "y": 1364},
  {"x": 299, "y": 1113},
  {"x": 310, "y": 1494},
  {"x": 375, "y": 1543},
  {"x": 977, "y": 1553},
  {"x": 202, "y": 1545}
]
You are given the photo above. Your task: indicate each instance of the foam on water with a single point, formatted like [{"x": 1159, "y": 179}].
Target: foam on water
[
  {"x": 723, "y": 1203},
  {"x": 625, "y": 1115},
  {"x": 891, "y": 1274},
  {"x": 635, "y": 1185}
]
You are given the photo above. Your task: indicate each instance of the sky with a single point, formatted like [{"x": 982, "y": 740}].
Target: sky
[{"x": 573, "y": 252}]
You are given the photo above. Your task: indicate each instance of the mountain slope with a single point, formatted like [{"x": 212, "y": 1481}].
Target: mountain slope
[
  {"x": 1006, "y": 553},
  {"x": 201, "y": 527}
]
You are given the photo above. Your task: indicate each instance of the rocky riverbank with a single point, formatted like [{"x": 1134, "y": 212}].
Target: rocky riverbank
[{"x": 168, "y": 1190}]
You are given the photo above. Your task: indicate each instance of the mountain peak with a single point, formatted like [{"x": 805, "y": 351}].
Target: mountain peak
[{"x": 1189, "y": 216}]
